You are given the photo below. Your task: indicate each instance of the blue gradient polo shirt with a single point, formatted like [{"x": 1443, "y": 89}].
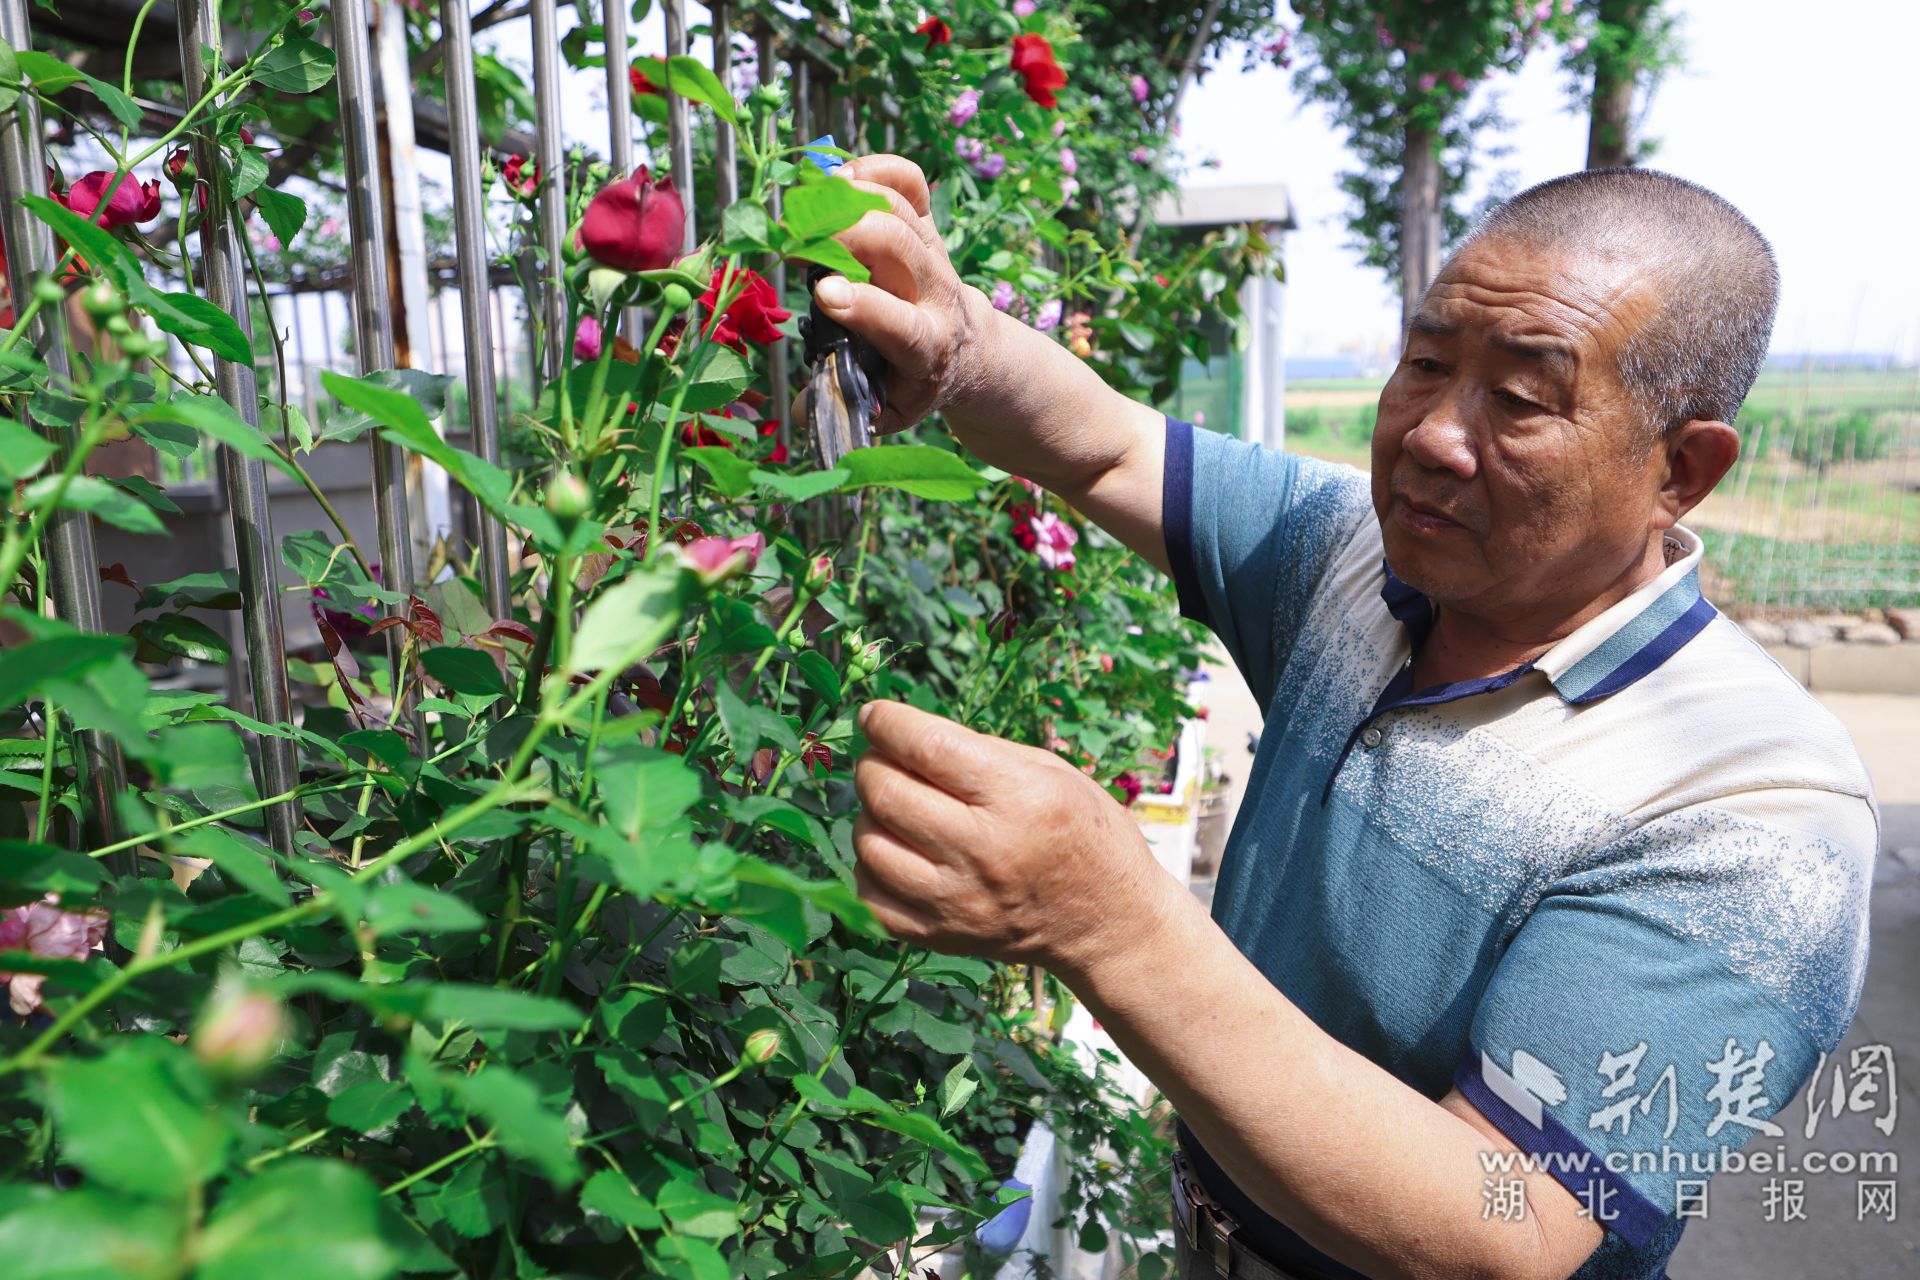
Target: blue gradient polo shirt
[{"x": 1618, "y": 896}]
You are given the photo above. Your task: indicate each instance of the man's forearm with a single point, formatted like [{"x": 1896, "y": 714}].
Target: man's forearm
[
  {"x": 1366, "y": 1169},
  {"x": 1050, "y": 418}
]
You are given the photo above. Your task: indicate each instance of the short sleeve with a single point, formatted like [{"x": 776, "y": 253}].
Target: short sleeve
[
  {"x": 1250, "y": 531},
  {"x": 1661, "y": 1002}
]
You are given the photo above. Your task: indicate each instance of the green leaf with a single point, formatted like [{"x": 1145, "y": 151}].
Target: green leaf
[
  {"x": 729, "y": 471},
  {"x": 147, "y": 491},
  {"x": 823, "y": 205},
  {"x": 122, "y": 108},
  {"x": 473, "y": 1201},
  {"x": 608, "y": 1192},
  {"x": 30, "y": 871},
  {"x": 248, "y": 172},
  {"x": 750, "y": 724},
  {"x": 24, "y": 451},
  {"x": 246, "y": 862},
  {"x": 628, "y": 621},
  {"x": 770, "y": 896},
  {"x": 212, "y": 589},
  {"x": 520, "y": 1119},
  {"x": 693, "y": 1209},
  {"x": 644, "y": 788},
  {"x": 819, "y": 674},
  {"x": 124, "y": 1121},
  {"x": 405, "y": 907},
  {"x": 802, "y": 487},
  {"x": 746, "y": 225},
  {"x": 48, "y": 73},
  {"x": 499, "y": 1008},
  {"x": 302, "y": 1219},
  {"x": 197, "y": 320},
  {"x": 177, "y": 635},
  {"x": 403, "y": 422},
  {"x": 956, "y": 1088},
  {"x": 832, "y": 255},
  {"x": 285, "y": 214},
  {"x": 298, "y": 66},
  {"x": 724, "y": 376},
  {"x": 89, "y": 1235},
  {"x": 96, "y": 497},
  {"x": 10, "y": 71},
  {"x": 918, "y": 469},
  {"x": 371, "y": 1105},
  {"x": 694, "y": 80},
  {"x": 25, "y": 668},
  {"x": 214, "y": 417},
  {"x": 464, "y": 670}
]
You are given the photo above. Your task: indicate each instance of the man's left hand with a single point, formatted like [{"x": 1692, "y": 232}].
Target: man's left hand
[{"x": 976, "y": 846}]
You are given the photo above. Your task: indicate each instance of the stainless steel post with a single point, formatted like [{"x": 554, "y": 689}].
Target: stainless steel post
[
  {"x": 553, "y": 186},
  {"x": 679, "y": 124},
  {"x": 776, "y": 358},
  {"x": 725, "y": 151},
  {"x": 224, "y": 273},
  {"x": 613, "y": 17},
  {"x": 372, "y": 308},
  {"x": 69, "y": 534},
  {"x": 470, "y": 249}
]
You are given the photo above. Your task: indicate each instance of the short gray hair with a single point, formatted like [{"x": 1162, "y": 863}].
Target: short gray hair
[{"x": 1719, "y": 285}]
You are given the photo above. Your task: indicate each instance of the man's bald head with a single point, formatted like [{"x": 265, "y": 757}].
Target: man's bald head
[{"x": 1697, "y": 356}]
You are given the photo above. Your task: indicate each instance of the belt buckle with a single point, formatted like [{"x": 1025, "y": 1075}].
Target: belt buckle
[{"x": 1209, "y": 1228}]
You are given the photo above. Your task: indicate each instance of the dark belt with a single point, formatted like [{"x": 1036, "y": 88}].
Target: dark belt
[{"x": 1210, "y": 1232}]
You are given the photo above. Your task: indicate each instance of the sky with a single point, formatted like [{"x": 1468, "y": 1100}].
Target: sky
[{"x": 1810, "y": 126}]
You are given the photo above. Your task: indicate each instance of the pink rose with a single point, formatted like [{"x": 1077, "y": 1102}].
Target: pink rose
[
  {"x": 1140, "y": 88},
  {"x": 964, "y": 108},
  {"x": 717, "y": 559},
  {"x": 1069, "y": 163},
  {"x": 43, "y": 929},
  {"x": 1054, "y": 540},
  {"x": 1002, "y": 296},
  {"x": 586, "y": 339}
]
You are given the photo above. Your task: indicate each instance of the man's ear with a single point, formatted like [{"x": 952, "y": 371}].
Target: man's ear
[{"x": 1698, "y": 454}]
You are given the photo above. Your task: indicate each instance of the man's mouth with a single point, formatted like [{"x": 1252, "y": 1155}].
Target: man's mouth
[{"x": 1422, "y": 517}]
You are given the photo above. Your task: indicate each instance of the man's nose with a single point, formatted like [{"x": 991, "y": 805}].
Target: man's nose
[{"x": 1443, "y": 439}]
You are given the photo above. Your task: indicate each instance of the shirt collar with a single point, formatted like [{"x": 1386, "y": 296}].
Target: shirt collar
[{"x": 1608, "y": 652}]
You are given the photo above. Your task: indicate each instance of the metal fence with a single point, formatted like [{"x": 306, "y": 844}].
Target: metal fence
[{"x": 392, "y": 296}]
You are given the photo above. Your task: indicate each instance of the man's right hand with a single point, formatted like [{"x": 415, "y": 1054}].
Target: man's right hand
[{"x": 1018, "y": 399}]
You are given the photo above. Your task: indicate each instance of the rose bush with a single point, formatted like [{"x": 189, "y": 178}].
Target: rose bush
[{"x": 565, "y": 975}]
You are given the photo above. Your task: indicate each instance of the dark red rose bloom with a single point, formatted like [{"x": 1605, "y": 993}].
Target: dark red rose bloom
[
  {"x": 771, "y": 427},
  {"x": 641, "y": 85},
  {"x": 1023, "y": 530},
  {"x": 1033, "y": 59},
  {"x": 936, "y": 32},
  {"x": 635, "y": 224},
  {"x": 1128, "y": 785},
  {"x": 133, "y": 201},
  {"x": 522, "y": 175},
  {"x": 754, "y": 315}
]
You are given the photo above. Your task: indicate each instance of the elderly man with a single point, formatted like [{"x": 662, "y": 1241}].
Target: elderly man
[{"x": 1549, "y": 886}]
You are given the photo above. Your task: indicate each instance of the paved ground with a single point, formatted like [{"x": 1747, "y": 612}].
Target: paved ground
[{"x": 1748, "y": 1233}]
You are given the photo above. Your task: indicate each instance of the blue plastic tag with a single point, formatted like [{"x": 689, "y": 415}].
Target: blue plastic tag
[{"x": 827, "y": 161}]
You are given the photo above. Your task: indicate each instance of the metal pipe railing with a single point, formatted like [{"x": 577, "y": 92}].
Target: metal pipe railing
[
  {"x": 75, "y": 569},
  {"x": 224, "y": 277},
  {"x": 470, "y": 246},
  {"x": 372, "y": 310},
  {"x": 679, "y": 125},
  {"x": 613, "y": 16},
  {"x": 726, "y": 163},
  {"x": 768, "y": 64},
  {"x": 553, "y": 186}
]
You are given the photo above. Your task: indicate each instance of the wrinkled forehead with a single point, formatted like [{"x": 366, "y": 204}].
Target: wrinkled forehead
[{"x": 1503, "y": 289}]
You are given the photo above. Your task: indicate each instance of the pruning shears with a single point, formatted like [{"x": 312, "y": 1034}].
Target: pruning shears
[{"x": 848, "y": 384}]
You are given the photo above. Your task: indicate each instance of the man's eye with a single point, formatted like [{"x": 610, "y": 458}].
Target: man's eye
[
  {"x": 1426, "y": 364},
  {"x": 1513, "y": 401}
]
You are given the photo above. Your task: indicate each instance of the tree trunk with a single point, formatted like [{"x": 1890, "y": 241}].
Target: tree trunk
[
  {"x": 1420, "y": 225},
  {"x": 1615, "y": 76}
]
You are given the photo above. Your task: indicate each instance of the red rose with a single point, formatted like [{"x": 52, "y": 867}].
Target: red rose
[
  {"x": 771, "y": 427},
  {"x": 1129, "y": 786},
  {"x": 521, "y": 174},
  {"x": 132, "y": 201},
  {"x": 936, "y": 32},
  {"x": 641, "y": 85},
  {"x": 753, "y": 316},
  {"x": 635, "y": 225},
  {"x": 1033, "y": 59}
]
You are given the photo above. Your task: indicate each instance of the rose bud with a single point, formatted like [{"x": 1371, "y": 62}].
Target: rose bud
[
  {"x": 718, "y": 559},
  {"x": 567, "y": 498},
  {"x": 819, "y": 573},
  {"x": 761, "y": 1047},
  {"x": 239, "y": 1032},
  {"x": 635, "y": 224},
  {"x": 102, "y": 300}
]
